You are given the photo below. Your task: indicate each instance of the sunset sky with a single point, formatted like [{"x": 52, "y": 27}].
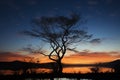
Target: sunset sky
[{"x": 103, "y": 21}]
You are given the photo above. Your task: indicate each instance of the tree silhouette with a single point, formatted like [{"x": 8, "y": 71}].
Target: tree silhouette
[
  {"x": 95, "y": 69},
  {"x": 60, "y": 32}
]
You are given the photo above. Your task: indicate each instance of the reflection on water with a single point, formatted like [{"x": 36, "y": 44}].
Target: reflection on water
[
  {"x": 85, "y": 70},
  {"x": 6, "y": 72},
  {"x": 59, "y": 79},
  {"x": 19, "y": 72},
  {"x": 77, "y": 70},
  {"x": 65, "y": 70}
]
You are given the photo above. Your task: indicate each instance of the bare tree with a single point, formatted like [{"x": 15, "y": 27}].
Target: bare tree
[{"x": 60, "y": 32}]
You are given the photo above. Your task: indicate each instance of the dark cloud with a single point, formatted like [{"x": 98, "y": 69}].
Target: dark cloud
[
  {"x": 96, "y": 54},
  {"x": 73, "y": 49},
  {"x": 95, "y": 41},
  {"x": 11, "y": 56},
  {"x": 86, "y": 50},
  {"x": 114, "y": 53}
]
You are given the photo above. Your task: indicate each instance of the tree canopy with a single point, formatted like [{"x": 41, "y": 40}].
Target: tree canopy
[{"x": 60, "y": 32}]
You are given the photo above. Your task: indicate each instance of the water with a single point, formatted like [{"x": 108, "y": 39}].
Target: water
[
  {"x": 65, "y": 70},
  {"x": 59, "y": 79}
]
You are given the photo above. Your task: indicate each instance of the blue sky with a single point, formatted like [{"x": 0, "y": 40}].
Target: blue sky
[{"x": 103, "y": 21}]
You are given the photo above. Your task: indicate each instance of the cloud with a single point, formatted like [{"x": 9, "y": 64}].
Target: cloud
[
  {"x": 11, "y": 56},
  {"x": 84, "y": 57},
  {"x": 114, "y": 53},
  {"x": 95, "y": 41},
  {"x": 72, "y": 49},
  {"x": 91, "y": 57},
  {"x": 22, "y": 56}
]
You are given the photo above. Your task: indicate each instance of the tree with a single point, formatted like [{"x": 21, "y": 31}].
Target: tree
[
  {"x": 60, "y": 32},
  {"x": 95, "y": 69}
]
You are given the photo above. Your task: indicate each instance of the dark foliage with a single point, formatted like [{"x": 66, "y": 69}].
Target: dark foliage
[{"x": 60, "y": 32}]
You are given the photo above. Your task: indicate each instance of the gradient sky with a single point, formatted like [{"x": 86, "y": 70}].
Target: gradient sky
[{"x": 103, "y": 21}]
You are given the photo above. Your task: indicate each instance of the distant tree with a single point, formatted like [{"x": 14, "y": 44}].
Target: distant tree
[
  {"x": 95, "y": 69},
  {"x": 116, "y": 68},
  {"x": 60, "y": 32}
]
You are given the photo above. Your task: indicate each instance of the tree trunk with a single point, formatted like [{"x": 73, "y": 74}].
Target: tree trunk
[{"x": 60, "y": 67}]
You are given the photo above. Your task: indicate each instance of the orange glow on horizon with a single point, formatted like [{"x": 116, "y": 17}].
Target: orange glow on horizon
[
  {"x": 93, "y": 57},
  {"x": 78, "y": 58}
]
